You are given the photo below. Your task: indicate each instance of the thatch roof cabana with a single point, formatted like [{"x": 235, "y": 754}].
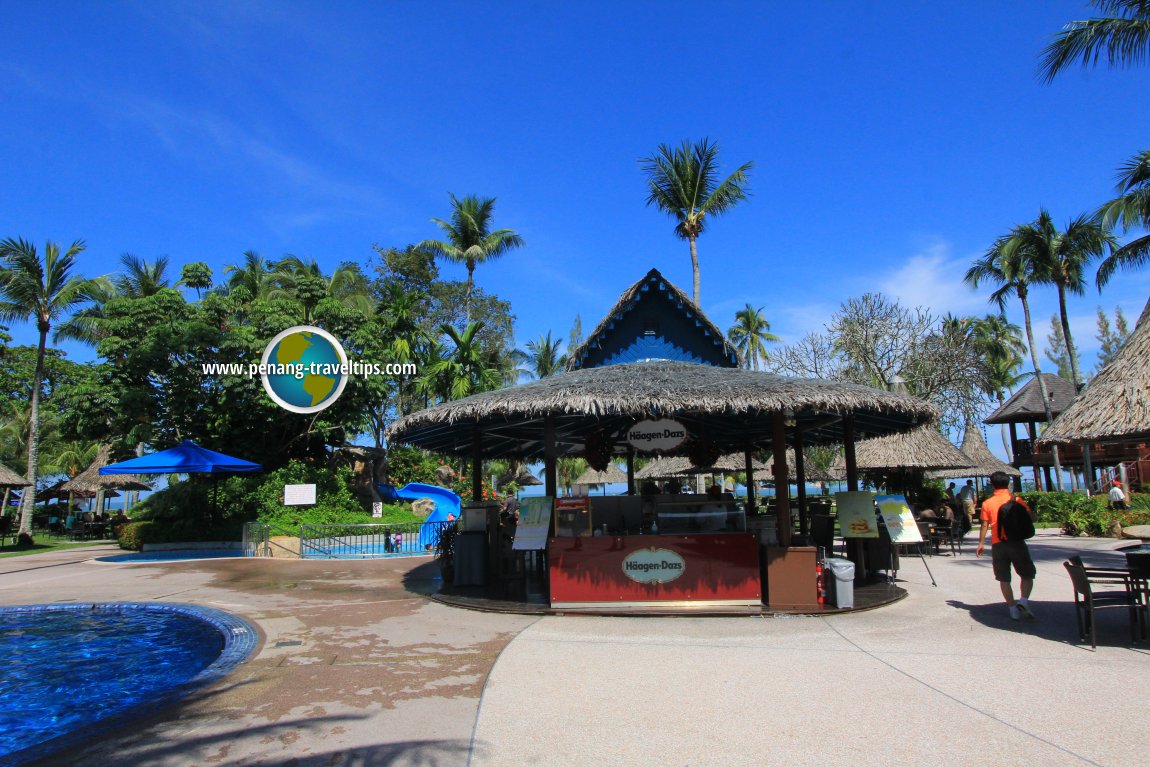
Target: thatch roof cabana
[
  {"x": 9, "y": 478},
  {"x": 985, "y": 463},
  {"x": 1113, "y": 407},
  {"x": 526, "y": 479},
  {"x": 733, "y": 408},
  {"x": 91, "y": 481},
  {"x": 1025, "y": 405},
  {"x": 679, "y": 466},
  {"x": 609, "y": 476},
  {"x": 923, "y": 449}
]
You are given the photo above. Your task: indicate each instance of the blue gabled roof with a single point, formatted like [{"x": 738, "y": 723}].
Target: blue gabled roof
[{"x": 654, "y": 320}]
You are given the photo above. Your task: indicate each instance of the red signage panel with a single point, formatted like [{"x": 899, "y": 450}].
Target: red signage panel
[{"x": 641, "y": 569}]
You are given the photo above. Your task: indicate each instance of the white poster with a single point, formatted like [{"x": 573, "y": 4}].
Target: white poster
[
  {"x": 898, "y": 519},
  {"x": 855, "y": 512},
  {"x": 299, "y": 495}
]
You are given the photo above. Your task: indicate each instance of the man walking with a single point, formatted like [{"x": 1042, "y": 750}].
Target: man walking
[
  {"x": 1117, "y": 498},
  {"x": 967, "y": 496},
  {"x": 1005, "y": 554}
]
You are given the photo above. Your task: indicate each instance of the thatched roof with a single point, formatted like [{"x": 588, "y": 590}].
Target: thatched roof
[
  {"x": 985, "y": 462},
  {"x": 1113, "y": 407},
  {"x": 90, "y": 480},
  {"x": 732, "y": 407},
  {"x": 921, "y": 448},
  {"x": 1025, "y": 405},
  {"x": 526, "y": 479},
  {"x": 628, "y": 300},
  {"x": 9, "y": 478},
  {"x": 609, "y": 476},
  {"x": 678, "y": 466}
]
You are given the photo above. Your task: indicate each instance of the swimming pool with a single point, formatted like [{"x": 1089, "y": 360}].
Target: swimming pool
[
  {"x": 73, "y": 670},
  {"x": 172, "y": 555}
]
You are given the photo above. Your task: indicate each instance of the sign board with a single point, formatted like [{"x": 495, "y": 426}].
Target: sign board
[
  {"x": 534, "y": 524},
  {"x": 299, "y": 495},
  {"x": 656, "y": 436},
  {"x": 855, "y": 512},
  {"x": 898, "y": 519},
  {"x": 572, "y": 517}
]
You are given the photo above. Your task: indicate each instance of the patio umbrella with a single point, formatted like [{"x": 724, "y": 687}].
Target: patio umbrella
[
  {"x": 90, "y": 481},
  {"x": 185, "y": 458},
  {"x": 8, "y": 480}
]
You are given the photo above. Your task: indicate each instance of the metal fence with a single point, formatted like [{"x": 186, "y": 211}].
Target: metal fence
[
  {"x": 369, "y": 541},
  {"x": 257, "y": 539}
]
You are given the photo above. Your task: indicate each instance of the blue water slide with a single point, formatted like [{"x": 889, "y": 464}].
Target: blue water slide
[{"x": 446, "y": 502}]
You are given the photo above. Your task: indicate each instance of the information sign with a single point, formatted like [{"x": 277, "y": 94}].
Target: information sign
[
  {"x": 299, "y": 495},
  {"x": 898, "y": 519},
  {"x": 855, "y": 513},
  {"x": 534, "y": 524}
]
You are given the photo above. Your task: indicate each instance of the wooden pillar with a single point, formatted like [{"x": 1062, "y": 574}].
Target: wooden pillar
[
  {"x": 630, "y": 469},
  {"x": 801, "y": 482},
  {"x": 477, "y": 466},
  {"x": 849, "y": 453},
  {"x": 782, "y": 481},
  {"x": 749, "y": 468},
  {"x": 550, "y": 477},
  {"x": 1087, "y": 469}
]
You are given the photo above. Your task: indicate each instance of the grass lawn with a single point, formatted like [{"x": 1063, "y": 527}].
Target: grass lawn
[{"x": 45, "y": 544}]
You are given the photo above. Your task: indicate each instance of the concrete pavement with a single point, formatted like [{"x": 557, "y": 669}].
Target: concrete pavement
[{"x": 381, "y": 675}]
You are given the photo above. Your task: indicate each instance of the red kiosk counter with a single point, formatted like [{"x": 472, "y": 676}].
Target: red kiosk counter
[{"x": 689, "y": 552}]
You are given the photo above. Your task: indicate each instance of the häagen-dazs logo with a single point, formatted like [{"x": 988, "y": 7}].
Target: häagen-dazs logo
[
  {"x": 304, "y": 369},
  {"x": 653, "y": 565}
]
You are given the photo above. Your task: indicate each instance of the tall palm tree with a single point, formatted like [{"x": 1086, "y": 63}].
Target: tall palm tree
[
  {"x": 544, "y": 358},
  {"x": 1060, "y": 258},
  {"x": 140, "y": 278},
  {"x": 1122, "y": 38},
  {"x": 42, "y": 289},
  {"x": 1014, "y": 274},
  {"x": 304, "y": 282},
  {"x": 253, "y": 276},
  {"x": 1129, "y": 210},
  {"x": 683, "y": 182},
  {"x": 470, "y": 240},
  {"x": 461, "y": 371},
  {"x": 999, "y": 343},
  {"x": 750, "y": 334}
]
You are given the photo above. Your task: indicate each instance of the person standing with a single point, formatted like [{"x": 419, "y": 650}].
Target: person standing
[
  {"x": 967, "y": 495},
  {"x": 1117, "y": 498},
  {"x": 1007, "y": 554}
]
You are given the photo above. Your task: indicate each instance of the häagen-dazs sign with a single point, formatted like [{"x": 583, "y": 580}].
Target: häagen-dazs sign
[
  {"x": 653, "y": 565},
  {"x": 664, "y": 434}
]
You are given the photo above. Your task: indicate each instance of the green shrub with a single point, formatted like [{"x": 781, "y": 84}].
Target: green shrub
[
  {"x": 1077, "y": 514},
  {"x": 134, "y": 535},
  {"x": 409, "y": 464},
  {"x": 335, "y": 502}
]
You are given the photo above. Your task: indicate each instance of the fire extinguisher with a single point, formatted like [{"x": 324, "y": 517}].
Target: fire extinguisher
[{"x": 821, "y": 582}]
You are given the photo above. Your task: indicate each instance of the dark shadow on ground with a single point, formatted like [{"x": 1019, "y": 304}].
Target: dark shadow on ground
[
  {"x": 1054, "y": 622},
  {"x": 423, "y": 579}
]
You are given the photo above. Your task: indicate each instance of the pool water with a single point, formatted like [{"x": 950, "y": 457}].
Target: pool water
[
  {"x": 172, "y": 555},
  {"x": 67, "y": 668}
]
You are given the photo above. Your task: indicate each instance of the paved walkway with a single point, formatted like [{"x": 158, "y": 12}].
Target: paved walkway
[{"x": 359, "y": 668}]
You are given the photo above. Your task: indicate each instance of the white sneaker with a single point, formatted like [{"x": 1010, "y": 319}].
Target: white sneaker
[
  {"x": 1024, "y": 608},
  {"x": 1015, "y": 613}
]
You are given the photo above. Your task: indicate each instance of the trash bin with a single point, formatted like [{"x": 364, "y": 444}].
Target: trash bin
[{"x": 842, "y": 581}]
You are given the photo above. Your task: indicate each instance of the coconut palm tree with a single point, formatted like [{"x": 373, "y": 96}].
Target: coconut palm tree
[
  {"x": 1060, "y": 258},
  {"x": 1122, "y": 38},
  {"x": 253, "y": 277},
  {"x": 461, "y": 371},
  {"x": 684, "y": 182},
  {"x": 304, "y": 282},
  {"x": 1014, "y": 274},
  {"x": 544, "y": 358},
  {"x": 999, "y": 343},
  {"x": 139, "y": 278},
  {"x": 1129, "y": 210},
  {"x": 470, "y": 240},
  {"x": 43, "y": 289},
  {"x": 750, "y": 334}
]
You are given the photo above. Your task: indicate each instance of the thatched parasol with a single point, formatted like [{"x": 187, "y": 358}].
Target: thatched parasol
[
  {"x": 923, "y": 448},
  {"x": 91, "y": 481},
  {"x": 677, "y": 466},
  {"x": 734, "y": 408},
  {"x": 55, "y": 492},
  {"x": 1112, "y": 408},
  {"x": 1025, "y": 405},
  {"x": 9, "y": 478},
  {"x": 985, "y": 463},
  {"x": 526, "y": 479},
  {"x": 608, "y": 476}
]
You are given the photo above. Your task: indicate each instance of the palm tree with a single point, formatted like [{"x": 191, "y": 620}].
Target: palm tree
[
  {"x": 544, "y": 358},
  {"x": 304, "y": 282},
  {"x": 470, "y": 240},
  {"x": 461, "y": 371},
  {"x": 999, "y": 343},
  {"x": 750, "y": 334},
  {"x": 1130, "y": 209},
  {"x": 253, "y": 277},
  {"x": 1015, "y": 274},
  {"x": 1122, "y": 38},
  {"x": 139, "y": 278},
  {"x": 1060, "y": 258},
  {"x": 43, "y": 290},
  {"x": 684, "y": 182}
]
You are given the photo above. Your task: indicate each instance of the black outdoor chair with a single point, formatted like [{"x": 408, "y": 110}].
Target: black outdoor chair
[
  {"x": 1087, "y": 601},
  {"x": 947, "y": 535}
]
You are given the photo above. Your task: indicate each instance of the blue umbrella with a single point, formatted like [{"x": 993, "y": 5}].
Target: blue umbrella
[{"x": 185, "y": 458}]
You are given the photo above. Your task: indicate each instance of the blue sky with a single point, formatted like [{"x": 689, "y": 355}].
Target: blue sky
[{"x": 892, "y": 141}]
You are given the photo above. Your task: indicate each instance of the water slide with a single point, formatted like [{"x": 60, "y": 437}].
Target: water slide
[{"x": 446, "y": 502}]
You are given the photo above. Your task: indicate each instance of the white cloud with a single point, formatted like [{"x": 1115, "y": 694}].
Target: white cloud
[{"x": 932, "y": 279}]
